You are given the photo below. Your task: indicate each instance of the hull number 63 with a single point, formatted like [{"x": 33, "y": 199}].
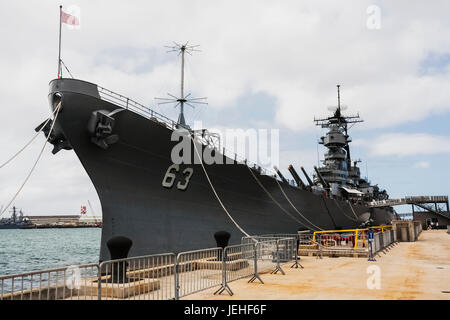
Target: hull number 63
[{"x": 172, "y": 174}]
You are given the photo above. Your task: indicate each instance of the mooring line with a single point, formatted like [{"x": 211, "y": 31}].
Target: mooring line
[
  {"x": 273, "y": 199},
  {"x": 329, "y": 213},
  {"x": 36, "y": 162},
  {"x": 351, "y": 207},
  {"x": 28, "y": 143},
  {"x": 217, "y": 196},
  {"x": 292, "y": 205},
  {"x": 344, "y": 211}
]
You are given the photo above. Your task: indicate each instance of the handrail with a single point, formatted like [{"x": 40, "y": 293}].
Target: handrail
[
  {"x": 129, "y": 104},
  {"x": 32, "y": 273},
  {"x": 136, "y": 107},
  {"x": 409, "y": 200}
]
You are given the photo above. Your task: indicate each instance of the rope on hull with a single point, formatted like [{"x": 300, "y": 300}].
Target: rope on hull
[
  {"x": 292, "y": 205},
  {"x": 28, "y": 143},
  {"x": 276, "y": 202},
  {"x": 57, "y": 109},
  {"x": 215, "y": 193}
]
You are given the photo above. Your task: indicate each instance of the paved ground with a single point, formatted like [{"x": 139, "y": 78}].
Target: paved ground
[{"x": 410, "y": 270}]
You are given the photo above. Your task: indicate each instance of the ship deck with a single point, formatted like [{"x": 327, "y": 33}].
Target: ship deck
[{"x": 409, "y": 271}]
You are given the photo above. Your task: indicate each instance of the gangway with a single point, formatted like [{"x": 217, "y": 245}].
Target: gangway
[{"x": 429, "y": 203}]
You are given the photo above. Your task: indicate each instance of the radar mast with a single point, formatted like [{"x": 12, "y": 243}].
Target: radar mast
[{"x": 182, "y": 99}]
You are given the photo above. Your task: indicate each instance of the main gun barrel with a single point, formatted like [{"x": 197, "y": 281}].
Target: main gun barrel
[
  {"x": 307, "y": 177},
  {"x": 280, "y": 175},
  {"x": 296, "y": 177},
  {"x": 322, "y": 180}
]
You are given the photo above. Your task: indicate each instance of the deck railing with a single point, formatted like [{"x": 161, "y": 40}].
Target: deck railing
[{"x": 136, "y": 107}]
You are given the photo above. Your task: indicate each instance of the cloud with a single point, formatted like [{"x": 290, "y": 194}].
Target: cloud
[
  {"x": 294, "y": 52},
  {"x": 402, "y": 144},
  {"x": 306, "y": 158},
  {"x": 422, "y": 164}
]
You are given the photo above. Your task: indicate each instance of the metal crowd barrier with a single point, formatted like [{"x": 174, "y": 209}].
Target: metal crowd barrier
[
  {"x": 265, "y": 252},
  {"x": 285, "y": 252},
  {"x": 67, "y": 283},
  {"x": 238, "y": 262},
  {"x": 198, "y": 270},
  {"x": 382, "y": 240},
  {"x": 147, "y": 277},
  {"x": 375, "y": 244},
  {"x": 156, "y": 277}
]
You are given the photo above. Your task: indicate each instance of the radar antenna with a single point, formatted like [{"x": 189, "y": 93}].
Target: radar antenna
[
  {"x": 182, "y": 99},
  {"x": 337, "y": 117},
  {"x": 337, "y": 109}
]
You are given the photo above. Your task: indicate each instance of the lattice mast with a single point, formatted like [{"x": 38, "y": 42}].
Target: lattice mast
[{"x": 182, "y": 99}]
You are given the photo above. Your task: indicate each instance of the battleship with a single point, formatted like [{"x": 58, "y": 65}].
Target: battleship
[{"x": 125, "y": 148}]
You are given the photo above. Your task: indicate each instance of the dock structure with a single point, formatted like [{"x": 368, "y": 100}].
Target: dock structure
[
  {"x": 55, "y": 219},
  {"x": 61, "y": 221},
  {"x": 409, "y": 271},
  {"x": 429, "y": 203},
  {"x": 169, "y": 276},
  {"x": 423, "y": 208}
]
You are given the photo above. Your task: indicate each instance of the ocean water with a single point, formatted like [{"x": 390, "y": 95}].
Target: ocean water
[{"x": 37, "y": 249}]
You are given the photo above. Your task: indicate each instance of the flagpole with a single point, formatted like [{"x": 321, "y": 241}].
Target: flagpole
[{"x": 59, "y": 54}]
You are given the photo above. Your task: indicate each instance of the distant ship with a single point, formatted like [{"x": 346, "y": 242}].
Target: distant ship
[
  {"x": 125, "y": 149},
  {"x": 17, "y": 220}
]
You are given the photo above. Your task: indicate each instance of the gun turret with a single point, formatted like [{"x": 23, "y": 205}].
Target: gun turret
[
  {"x": 322, "y": 180},
  {"x": 280, "y": 175},
  {"x": 307, "y": 177},
  {"x": 296, "y": 177}
]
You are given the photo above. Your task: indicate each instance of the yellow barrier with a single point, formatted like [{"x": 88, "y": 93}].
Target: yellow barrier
[
  {"x": 356, "y": 231},
  {"x": 342, "y": 231},
  {"x": 381, "y": 227}
]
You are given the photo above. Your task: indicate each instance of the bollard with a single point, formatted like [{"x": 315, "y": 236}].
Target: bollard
[
  {"x": 222, "y": 238},
  {"x": 119, "y": 247}
]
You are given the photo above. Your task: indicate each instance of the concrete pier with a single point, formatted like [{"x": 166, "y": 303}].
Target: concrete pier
[
  {"x": 406, "y": 230},
  {"x": 410, "y": 270}
]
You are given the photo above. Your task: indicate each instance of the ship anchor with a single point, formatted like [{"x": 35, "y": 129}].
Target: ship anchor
[
  {"x": 56, "y": 138},
  {"x": 100, "y": 126}
]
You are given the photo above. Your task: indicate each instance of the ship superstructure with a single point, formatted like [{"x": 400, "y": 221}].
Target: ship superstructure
[
  {"x": 16, "y": 221},
  {"x": 339, "y": 175}
]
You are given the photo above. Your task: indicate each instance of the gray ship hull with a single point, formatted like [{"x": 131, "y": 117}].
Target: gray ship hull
[
  {"x": 10, "y": 226},
  {"x": 128, "y": 178}
]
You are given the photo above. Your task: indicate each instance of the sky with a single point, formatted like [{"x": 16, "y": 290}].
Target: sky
[{"x": 262, "y": 64}]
